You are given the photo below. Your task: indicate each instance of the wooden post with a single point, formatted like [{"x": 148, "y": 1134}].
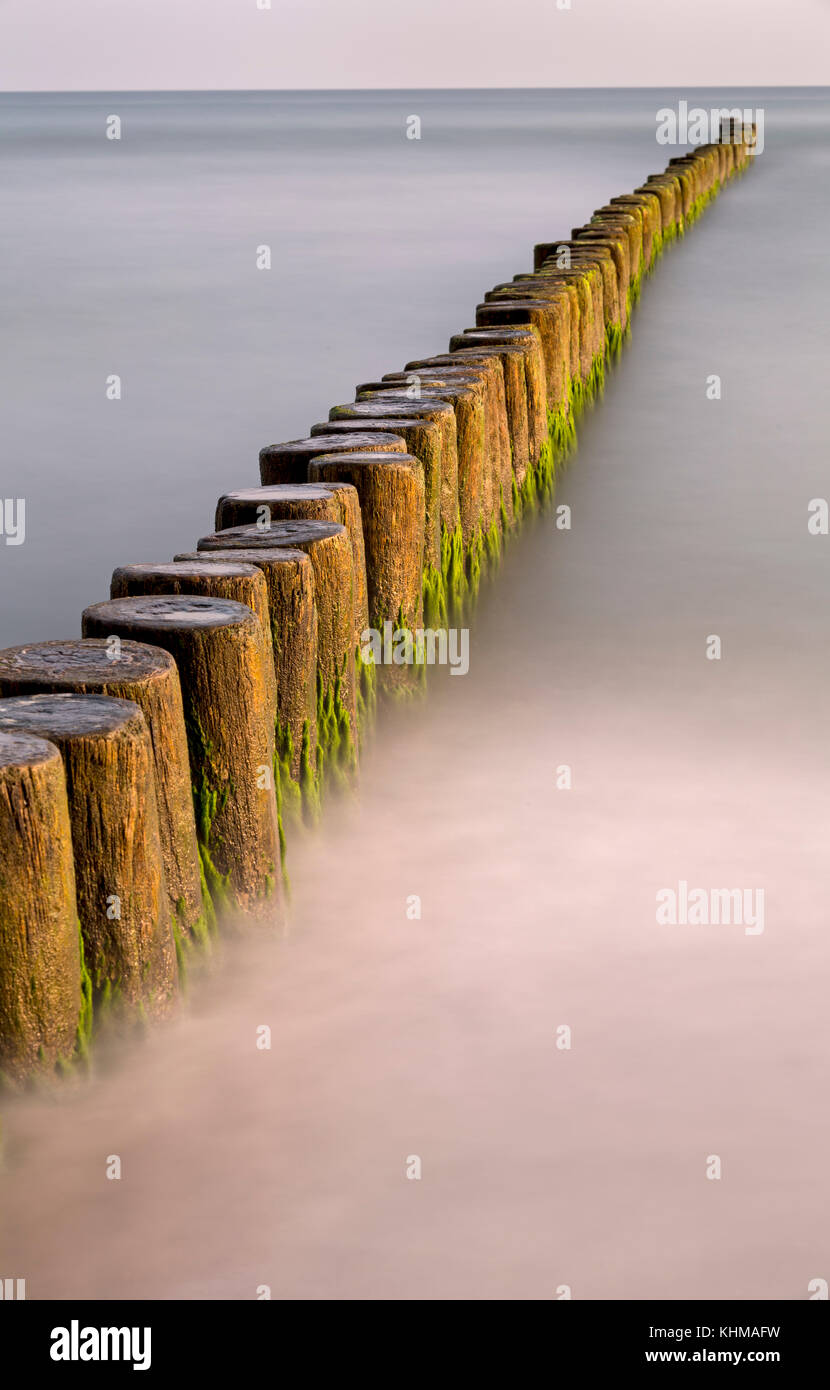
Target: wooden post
[
  {"x": 436, "y": 412},
  {"x": 391, "y": 492},
  {"x": 467, "y": 493},
  {"x": 123, "y": 907},
  {"x": 542, "y": 315},
  {"x": 147, "y": 676},
  {"x": 488, "y": 372},
  {"x": 600, "y": 257},
  {"x": 290, "y": 580},
  {"x": 329, "y": 549},
  {"x": 240, "y": 582},
  {"x": 526, "y": 341},
  {"x": 288, "y": 463},
  {"x": 435, "y": 443},
  {"x": 44, "y": 988},
  {"x": 551, "y": 287},
  {"x": 337, "y": 502},
  {"x": 515, "y": 397},
  {"x": 217, "y": 645}
]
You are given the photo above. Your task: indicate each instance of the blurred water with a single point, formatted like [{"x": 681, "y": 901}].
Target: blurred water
[{"x": 437, "y": 1037}]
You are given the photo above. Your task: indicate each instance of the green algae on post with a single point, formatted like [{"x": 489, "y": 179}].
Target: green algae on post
[
  {"x": 391, "y": 491},
  {"x": 430, "y": 411},
  {"x": 217, "y": 645},
  {"x": 392, "y": 506},
  {"x": 432, "y": 438},
  {"x": 44, "y": 988},
  {"x": 290, "y": 581},
  {"x": 329, "y": 548},
  {"x": 148, "y": 676},
  {"x": 123, "y": 909},
  {"x": 337, "y": 502},
  {"x": 243, "y": 583}
]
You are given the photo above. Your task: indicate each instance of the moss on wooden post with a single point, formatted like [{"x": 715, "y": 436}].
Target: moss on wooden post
[
  {"x": 218, "y": 648},
  {"x": 240, "y": 582},
  {"x": 472, "y": 485},
  {"x": 435, "y": 412},
  {"x": 549, "y": 282},
  {"x": 124, "y": 913},
  {"x": 489, "y": 372},
  {"x": 515, "y": 397},
  {"x": 392, "y": 504},
  {"x": 304, "y": 502},
  {"x": 44, "y": 987},
  {"x": 329, "y": 549},
  {"x": 290, "y": 580},
  {"x": 526, "y": 341},
  {"x": 148, "y": 676},
  {"x": 433, "y": 439},
  {"x": 546, "y": 316}
]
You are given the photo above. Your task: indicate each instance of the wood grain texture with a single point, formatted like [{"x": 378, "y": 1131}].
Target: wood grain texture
[
  {"x": 436, "y": 451},
  {"x": 41, "y": 1001},
  {"x": 526, "y": 340},
  {"x": 218, "y": 648},
  {"x": 515, "y": 397},
  {"x": 329, "y": 549},
  {"x": 288, "y": 462},
  {"x": 290, "y": 580},
  {"x": 303, "y": 502},
  {"x": 242, "y": 583},
  {"x": 392, "y": 505},
  {"x": 148, "y": 676},
  {"x": 122, "y": 899}
]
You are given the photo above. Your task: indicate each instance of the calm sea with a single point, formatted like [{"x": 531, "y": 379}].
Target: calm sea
[{"x": 392, "y": 1038}]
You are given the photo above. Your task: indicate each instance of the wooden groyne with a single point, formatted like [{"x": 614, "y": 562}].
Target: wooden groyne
[{"x": 152, "y": 770}]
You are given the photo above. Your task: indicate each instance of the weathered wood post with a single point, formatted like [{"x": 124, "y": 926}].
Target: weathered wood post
[
  {"x": 434, "y": 442},
  {"x": 44, "y": 987},
  {"x": 553, "y": 287},
  {"x": 488, "y": 373},
  {"x": 626, "y": 226},
  {"x": 547, "y": 317},
  {"x": 392, "y": 505},
  {"x": 337, "y": 502},
  {"x": 329, "y": 549},
  {"x": 648, "y": 207},
  {"x": 524, "y": 340},
  {"x": 432, "y": 411},
  {"x": 218, "y": 648},
  {"x": 515, "y": 399},
  {"x": 148, "y": 676},
  {"x": 463, "y": 490},
  {"x": 288, "y": 462},
  {"x": 239, "y": 582},
  {"x": 290, "y": 580},
  {"x": 588, "y": 338},
  {"x": 123, "y": 909},
  {"x": 665, "y": 201},
  {"x": 591, "y": 254}
]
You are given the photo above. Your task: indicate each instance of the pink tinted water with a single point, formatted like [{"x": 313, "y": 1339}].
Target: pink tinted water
[{"x": 394, "y": 1037}]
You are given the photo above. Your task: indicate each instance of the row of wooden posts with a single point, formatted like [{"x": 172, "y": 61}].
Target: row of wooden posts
[{"x": 150, "y": 770}]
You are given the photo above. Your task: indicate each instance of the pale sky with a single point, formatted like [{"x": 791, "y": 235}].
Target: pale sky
[{"x": 106, "y": 45}]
